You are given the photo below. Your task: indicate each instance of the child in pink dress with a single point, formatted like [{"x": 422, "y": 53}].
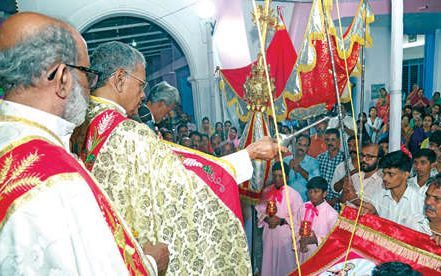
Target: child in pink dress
[
  {"x": 320, "y": 215},
  {"x": 278, "y": 253}
]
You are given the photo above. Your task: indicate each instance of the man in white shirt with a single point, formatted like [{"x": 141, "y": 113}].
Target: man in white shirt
[
  {"x": 423, "y": 164},
  {"x": 397, "y": 202},
  {"x": 54, "y": 219},
  {"x": 370, "y": 175}
]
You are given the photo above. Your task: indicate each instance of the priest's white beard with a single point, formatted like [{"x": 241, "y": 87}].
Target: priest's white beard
[{"x": 77, "y": 103}]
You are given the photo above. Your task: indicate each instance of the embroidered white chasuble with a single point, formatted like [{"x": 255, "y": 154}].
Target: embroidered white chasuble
[{"x": 164, "y": 202}]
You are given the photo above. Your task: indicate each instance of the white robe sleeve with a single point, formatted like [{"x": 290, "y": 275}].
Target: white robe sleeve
[
  {"x": 58, "y": 231},
  {"x": 242, "y": 164}
]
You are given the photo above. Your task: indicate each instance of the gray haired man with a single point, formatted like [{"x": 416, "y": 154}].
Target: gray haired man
[
  {"x": 162, "y": 99},
  {"x": 161, "y": 200}
]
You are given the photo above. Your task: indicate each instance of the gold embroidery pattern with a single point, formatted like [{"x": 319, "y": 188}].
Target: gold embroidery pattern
[
  {"x": 118, "y": 233},
  {"x": 18, "y": 179},
  {"x": 164, "y": 202}
]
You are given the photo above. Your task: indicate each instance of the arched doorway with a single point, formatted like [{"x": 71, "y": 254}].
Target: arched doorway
[{"x": 165, "y": 60}]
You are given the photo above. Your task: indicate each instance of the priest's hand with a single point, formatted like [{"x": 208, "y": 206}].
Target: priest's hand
[
  {"x": 160, "y": 253},
  {"x": 265, "y": 149}
]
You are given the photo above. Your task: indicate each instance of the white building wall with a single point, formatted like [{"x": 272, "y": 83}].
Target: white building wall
[
  {"x": 184, "y": 25},
  {"x": 377, "y": 63}
]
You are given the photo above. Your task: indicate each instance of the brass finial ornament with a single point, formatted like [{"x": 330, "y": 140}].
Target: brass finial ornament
[{"x": 255, "y": 86}]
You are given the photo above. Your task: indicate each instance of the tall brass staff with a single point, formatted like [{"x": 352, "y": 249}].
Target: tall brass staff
[
  {"x": 262, "y": 58},
  {"x": 337, "y": 94}
]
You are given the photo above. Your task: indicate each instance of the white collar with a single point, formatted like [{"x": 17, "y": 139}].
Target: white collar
[
  {"x": 151, "y": 113},
  {"x": 61, "y": 128},
  {"x": 107, "y": 101}
]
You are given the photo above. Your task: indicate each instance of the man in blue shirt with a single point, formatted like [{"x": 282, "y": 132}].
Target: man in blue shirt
[
  {"x": 302, "y": 166},
  {"x": 328, "y": 162}
]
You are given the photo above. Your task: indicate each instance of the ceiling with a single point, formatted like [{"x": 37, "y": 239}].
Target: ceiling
[
  {"x": 8, "y": 6},
  {"x": 147, "y": 37}
]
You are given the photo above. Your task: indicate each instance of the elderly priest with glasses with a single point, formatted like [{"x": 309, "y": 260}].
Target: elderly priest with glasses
[
  {"x": 161, "y": 200},
  {"x": 54, "y": 217}
]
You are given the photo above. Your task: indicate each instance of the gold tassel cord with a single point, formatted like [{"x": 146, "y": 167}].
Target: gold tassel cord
[
  {"x": 364, "y": 15},
  {"x": 268, "y": 81}
]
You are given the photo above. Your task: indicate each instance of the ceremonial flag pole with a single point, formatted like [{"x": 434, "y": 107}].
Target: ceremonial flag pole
[
  {"x": 334, "y": 76},
  {"x": 362, "y": 78}
]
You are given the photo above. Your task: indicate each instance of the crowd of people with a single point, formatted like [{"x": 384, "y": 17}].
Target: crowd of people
[
  {"x": 401, "y": 186},
  {"x": 130, "y": 205}
]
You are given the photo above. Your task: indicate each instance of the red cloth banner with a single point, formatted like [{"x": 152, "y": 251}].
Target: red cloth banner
[
  {"x": 376, "y": 240},
  {"x": 209, "y": 170}
]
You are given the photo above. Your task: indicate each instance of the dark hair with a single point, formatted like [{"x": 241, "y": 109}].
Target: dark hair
[
  {"x": 428, "y": 153},
  {"x": 304, "y": 136},
  {"x": 435, "y": 180},
  {"x": 194, "y": 133},
  {"x": 394, "y": 269},
  {"x": 435, "y": 137},
  {"x": 372, "y": 107},
  {"x": 428, "y": 115},
  {"x": 317, "y": 182},
  {"x": 380, "y": 152},
  {"x": 406, "y": 115},
  {"x": 228, "y": 121},
  {"x": 350, "y": 138},
  {"x": 278, "y": 167},
  {"x": 333, "y": 131},
  {"x": 181, "y": 126},
  {"x": 418, "y": 109},
  {"x": 165, "y": 131},
  {"x": 407, "y": 106},
  {"x": 233, "y": 128},
  {"x": 396, "y": 159},
  {"x": 205, "y": 119}
]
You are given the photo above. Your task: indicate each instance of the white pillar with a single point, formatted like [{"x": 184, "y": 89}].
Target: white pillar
[
  {"x": 437, "y": 60},
  {"x": 396, "y": 74},
  {"x": 210, "y": 72}
]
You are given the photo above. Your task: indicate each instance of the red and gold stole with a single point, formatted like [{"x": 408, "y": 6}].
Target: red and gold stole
[
  {"x": 208, "y": 169},
  {"x": 98, "y": 132},
  {"x": 31, "y": 163}
]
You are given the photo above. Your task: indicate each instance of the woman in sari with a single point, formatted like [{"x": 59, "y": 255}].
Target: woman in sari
[
  {"x": 419, "y": 101},
  {"x": 382, "y": 105}
]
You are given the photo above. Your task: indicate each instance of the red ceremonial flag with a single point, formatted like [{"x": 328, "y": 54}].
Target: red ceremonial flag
[{"x": 376, "y": 240}]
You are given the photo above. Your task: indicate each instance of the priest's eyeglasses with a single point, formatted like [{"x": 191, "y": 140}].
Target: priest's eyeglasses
[
  {"x": 143, "y": 84},
  {"x": 91, "y": 74}
]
